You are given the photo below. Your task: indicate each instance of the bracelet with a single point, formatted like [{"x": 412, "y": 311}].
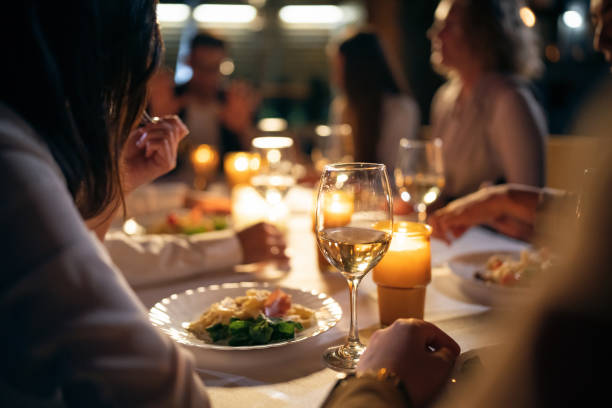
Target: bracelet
[
  {"x": 385, "y": 375},
  {"x": 382, "y": 374}
]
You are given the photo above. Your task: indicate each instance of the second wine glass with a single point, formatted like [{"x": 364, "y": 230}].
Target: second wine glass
[
  {"x": 275, "y": 176},
  {"x": 354, "y": 242},
  {"x": 419, "y": 174}
]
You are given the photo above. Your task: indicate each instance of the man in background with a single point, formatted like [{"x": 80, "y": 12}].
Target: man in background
[{"x": 217, "y": 112}]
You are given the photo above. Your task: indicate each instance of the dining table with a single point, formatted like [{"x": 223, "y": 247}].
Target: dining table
[{"x": 295, "y": 375}]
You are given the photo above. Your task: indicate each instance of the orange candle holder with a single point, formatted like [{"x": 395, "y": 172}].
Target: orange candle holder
[{"x": 404, "y": 272}]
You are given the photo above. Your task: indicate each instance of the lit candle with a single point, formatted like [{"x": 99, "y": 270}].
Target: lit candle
[
  {"x": 404, "y": 272},
  {"x": 337, "y": 210},
  {"x": 204, "y": 160},
  {"x": 240, "y": 167}
]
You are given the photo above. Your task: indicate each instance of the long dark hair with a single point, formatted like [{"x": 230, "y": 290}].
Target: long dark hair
[
  {"x": 77, "y": 72},
  {"x": 367, "y": 79}
]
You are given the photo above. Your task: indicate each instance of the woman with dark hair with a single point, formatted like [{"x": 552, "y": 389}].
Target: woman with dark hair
[
  {"x": 373, "y": 100},
  {"x": 72, "y": 98},
  {"x": 493, "y": 129}
]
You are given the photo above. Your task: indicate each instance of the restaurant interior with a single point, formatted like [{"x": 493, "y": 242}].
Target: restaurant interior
[{"x": 326, "y": 203}]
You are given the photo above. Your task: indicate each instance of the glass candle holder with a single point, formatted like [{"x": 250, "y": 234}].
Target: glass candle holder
[{"x": 403, "y": 274}]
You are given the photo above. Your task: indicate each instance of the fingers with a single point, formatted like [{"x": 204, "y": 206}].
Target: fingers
[
  {"x": 513, "y": 227},
  {"x": 439, "y": 340}
]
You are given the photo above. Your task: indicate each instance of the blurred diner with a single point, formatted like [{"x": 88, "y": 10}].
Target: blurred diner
[
  {"x": 491, "y": 124},
  {"x": 373, "y": 99}
]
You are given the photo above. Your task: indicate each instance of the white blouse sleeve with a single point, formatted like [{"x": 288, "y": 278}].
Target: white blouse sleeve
[
  {"x": 518, "y": 137},
  {"x": 73, "y": 331},
  {"x": 149, "y": 258}
]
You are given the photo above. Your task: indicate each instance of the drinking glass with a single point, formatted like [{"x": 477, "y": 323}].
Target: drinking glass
[
  {"x": 353, "y": 242},
  {"x": 275, "y": 176},
  {"x": 419, "y": 174}
]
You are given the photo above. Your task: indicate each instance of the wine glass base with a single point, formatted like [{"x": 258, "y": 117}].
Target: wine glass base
[{"x": 344, "y": 357}]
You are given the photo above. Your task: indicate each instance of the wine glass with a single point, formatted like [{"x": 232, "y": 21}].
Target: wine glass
[
  {"x": 354, "y": 241},
  {"x": 419, "y": 173},
  {"x": 275, "y": 176}
]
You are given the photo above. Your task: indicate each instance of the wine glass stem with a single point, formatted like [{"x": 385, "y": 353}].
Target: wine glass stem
[{"x": 353, "y": 337}]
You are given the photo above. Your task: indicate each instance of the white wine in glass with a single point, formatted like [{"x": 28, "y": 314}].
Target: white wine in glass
[
  {"x": 419, "y": 174},
  {"x": 353, "y": 244}
]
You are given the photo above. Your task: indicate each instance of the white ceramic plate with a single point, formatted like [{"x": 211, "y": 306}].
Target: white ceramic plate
[
  {"x": 173, "y": 313},
  {"x": 488, "y": 293}
]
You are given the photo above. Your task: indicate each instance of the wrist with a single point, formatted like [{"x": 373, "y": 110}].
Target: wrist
[{"x": 387, "y": 376}]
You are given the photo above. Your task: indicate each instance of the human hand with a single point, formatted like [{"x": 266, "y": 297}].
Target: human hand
[
  {"x": 419, "y": 352},
  {"x": 241, "y": 101},
  {"x": 262, "y": 242},
  {"x": 150, "y": 151},
  {"x": 510, "y": 209}
]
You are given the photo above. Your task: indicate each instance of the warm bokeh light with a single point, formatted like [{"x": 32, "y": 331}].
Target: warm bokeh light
[
  {"x": 204, "y": 154},
  {"x": 172, "y": 13},
  {"x": 552, "y": 53},
  {"x": 227, "y": 67},
  {"x": 224, "y": 13},
  {"x": 323, "y": 130},
  {"x": 272, "y": 125},
  {"x": 320, "y": 14},
  {"x": 528, "y": 17}
]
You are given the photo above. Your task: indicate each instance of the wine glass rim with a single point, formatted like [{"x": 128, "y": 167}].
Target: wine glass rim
[
  {"x": 354, "y": 166},
  {"x": 420, "y": 143}
]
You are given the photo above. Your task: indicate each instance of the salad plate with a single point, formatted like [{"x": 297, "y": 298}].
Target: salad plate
[{"x": 173, "y": 314}]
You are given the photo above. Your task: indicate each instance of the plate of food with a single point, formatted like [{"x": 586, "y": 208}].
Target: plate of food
[
  {"x": 183, "y": 221},
  {"x": 244, "y": 316},
  {"x": 499, "y": 277}
]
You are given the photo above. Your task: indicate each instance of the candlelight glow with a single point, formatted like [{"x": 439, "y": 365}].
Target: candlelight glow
[
  {"x": 528, "y": 17},
  {"x": 204, "y": 154},
  {"x": 239, "y": 167}
]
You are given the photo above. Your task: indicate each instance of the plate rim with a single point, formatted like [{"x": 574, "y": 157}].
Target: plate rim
[{"x": 247, "y": 285}]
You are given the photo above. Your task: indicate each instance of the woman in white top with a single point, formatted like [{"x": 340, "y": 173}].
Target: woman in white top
[
  {"x": 373, "y": 101},
  {"x": 493, "y": 130}
]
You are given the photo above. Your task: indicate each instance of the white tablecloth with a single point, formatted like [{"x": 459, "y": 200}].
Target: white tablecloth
[{"x": 295, "y": 375}]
